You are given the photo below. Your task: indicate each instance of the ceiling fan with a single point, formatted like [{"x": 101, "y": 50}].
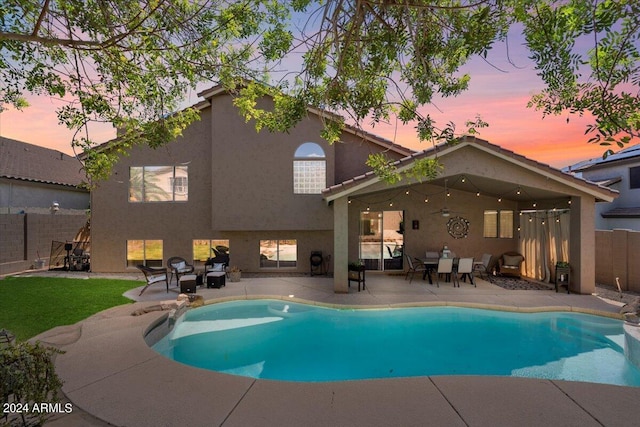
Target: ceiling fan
[{"x": 445, "y": 211}]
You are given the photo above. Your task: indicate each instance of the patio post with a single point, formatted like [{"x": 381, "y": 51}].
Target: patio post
[
  {"x": 582, "y": 244},
  {"x": 340, "y": 245}
]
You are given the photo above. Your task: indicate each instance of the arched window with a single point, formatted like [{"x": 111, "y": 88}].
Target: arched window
[{"x": 309, "y": 169}]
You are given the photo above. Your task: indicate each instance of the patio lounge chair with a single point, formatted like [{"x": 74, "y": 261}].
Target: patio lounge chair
[
  {"x": 179, "y": 266},
  {"x": 414, "y": 266},
  {"x": 510, "y": 263},
  {"x": 153, "y": 276}
]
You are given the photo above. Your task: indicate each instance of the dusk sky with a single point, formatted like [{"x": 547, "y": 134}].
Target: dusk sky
[{"x": 499, "y": 97}]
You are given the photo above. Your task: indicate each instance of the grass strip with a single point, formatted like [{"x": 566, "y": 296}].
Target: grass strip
[{"x": 31, "y": 305}]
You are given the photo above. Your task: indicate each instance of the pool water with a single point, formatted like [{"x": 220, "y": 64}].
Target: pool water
[{"x": 295, "y": 342}]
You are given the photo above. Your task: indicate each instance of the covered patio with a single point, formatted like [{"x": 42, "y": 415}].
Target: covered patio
[{"x": 486, "y": 200}]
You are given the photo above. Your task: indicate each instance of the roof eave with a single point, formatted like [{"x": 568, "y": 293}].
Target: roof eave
[{"x": 598, "y": 192}]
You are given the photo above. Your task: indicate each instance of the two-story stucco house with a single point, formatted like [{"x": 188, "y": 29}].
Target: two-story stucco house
[
  {"x": 224, "y": 184},
  {"x": 274, "y": 198},
  {"x": 621, "y": 172}
]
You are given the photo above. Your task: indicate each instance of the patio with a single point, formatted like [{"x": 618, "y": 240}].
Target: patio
[{"x": 111, "y": 373}]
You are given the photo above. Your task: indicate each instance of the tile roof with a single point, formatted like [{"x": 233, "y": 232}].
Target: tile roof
[
  {"x": 28, "y": 162},
  {"x": 469, "y": 140}
]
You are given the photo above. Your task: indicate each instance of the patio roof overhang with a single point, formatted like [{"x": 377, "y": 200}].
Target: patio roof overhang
[{"x": 473, "y": 182}]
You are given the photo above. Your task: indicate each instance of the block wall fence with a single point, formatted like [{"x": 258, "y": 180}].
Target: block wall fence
[
  {"x": 24, "y": 236},
  {"x": 617, "y": 256}
]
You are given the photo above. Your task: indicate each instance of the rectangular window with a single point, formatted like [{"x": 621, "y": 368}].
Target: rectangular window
[
  {"x": 498, "y": 224},
  {"x": 278, "y": 253},
  {"x": 490, "y": 223},
  {"x": 145, "y": 252},
  {"x": 506, "y": 224},
  {"x": 158, "y": 184},
  {"x": 204, "y": 249},
  {"x": 634, "y": 177}
]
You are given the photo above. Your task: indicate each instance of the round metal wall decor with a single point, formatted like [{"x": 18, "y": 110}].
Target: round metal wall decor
[{"x": 458, "y": 227}]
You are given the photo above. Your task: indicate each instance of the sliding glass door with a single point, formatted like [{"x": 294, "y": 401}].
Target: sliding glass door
[{"x": 382, "y": 239}]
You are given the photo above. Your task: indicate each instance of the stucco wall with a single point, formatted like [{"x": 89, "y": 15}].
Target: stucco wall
[
  {"x": 253, "y": 175},
  {"x": 433, "y": 234},
  {"x": 24, "y": 237},
  {"x": 116, "y": 220},
  {"x": 16, "y": 196},
  {"x": 351, "y": 154},
  {"x": 616, "y": 257},
  {"x": 240, "y": 189}
]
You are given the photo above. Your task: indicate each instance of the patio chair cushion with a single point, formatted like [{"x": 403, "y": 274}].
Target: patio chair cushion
[
  {"x": 180, "y": 266},
  {"x": 512, "y": 260},
  {"x": 218, "y": 266},
  {"x": 156, "y": 278}
]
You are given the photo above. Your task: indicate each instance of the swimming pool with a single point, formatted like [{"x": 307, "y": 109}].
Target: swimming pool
[{"x": 295, "y": 342}]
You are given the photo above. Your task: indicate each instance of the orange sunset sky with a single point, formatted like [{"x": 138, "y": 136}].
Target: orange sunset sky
[{"x": 499, "y": 92}]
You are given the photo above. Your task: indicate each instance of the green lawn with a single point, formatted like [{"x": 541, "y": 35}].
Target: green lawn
[{"x": 31, "y": 305}]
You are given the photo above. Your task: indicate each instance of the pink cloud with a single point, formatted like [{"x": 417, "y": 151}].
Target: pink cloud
[{"x": 38, "y": 124}]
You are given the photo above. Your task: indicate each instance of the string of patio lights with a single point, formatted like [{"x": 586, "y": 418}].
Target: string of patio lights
[{"x": 517, "y": 190}]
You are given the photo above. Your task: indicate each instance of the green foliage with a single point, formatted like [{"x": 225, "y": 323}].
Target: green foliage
[
  {"x": 421, "y": 169},
  {"x": 132, "y": 63},
  {"x": 28, "y": 377},
  {"x": 604, "y": 80}
]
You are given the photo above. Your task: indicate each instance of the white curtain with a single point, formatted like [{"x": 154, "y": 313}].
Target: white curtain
[{"x": 544, "y": 240}]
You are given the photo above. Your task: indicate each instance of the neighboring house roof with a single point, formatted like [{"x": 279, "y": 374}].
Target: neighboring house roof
[
  {"x": 370, "y": 137},
  {"x": 629, "y": 153},
  {"x": 28, "y": 162},
  {"x": 609, "y": 181},
  {"x": 622, "y": 213},
  {"x": 599, "y": 191}
]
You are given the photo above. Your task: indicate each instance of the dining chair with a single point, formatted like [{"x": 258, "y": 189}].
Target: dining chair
[
  {"x": 482, "y": 266},
  {"x": 465, "y": 268},
  {"x": 445, "y": 266},
  {"x": 414, "y": 266}
]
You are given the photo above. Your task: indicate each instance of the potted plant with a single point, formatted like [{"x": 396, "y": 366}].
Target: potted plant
[{"x": 235, "y": 273}]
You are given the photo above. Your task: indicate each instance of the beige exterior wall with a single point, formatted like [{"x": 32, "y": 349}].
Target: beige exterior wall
[
  {"x": 240, "y": 189},
  {"x": 252, "y": 175},
  {"x": 616, "y": 254},
  {"x": 353, "y": 148},
  {"x": 114, "y": 219}
]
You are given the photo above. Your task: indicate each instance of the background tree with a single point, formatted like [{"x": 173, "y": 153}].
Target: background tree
[
  {"x": 603, "y": 80},
  {"x": 131, "y": 63}
]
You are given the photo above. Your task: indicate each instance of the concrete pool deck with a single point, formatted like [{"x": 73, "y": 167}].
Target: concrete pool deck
[{"x": 112, "y": 377}]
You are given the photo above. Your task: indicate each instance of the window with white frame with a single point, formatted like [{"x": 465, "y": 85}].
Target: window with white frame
[
  {"x": 278, "y": 253},
  {"x": 309, "y": 169},
  {"x": 498, "y": 224},
  {"x": 145, "y": 252},
  {"x": 158, "y": 184}
]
